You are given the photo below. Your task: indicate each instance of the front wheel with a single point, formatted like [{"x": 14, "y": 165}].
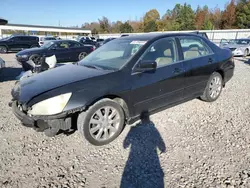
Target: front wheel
[
  {"x": 101, "y": 123},
  {"x": 36, "y": 59},
  {"x": 213, "y": 88},
  {"x": 3, "y": 49}
]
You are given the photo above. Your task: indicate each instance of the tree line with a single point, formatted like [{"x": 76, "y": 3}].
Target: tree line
[{"x": 236, "y": 15}]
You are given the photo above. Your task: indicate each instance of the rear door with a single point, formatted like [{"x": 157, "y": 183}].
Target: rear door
[
  {"x": 76, "y": 49},
  {"x": 153, "y": 90},
  {"x": 199, "y": 63},
  {"x": 25, "y": 42}
]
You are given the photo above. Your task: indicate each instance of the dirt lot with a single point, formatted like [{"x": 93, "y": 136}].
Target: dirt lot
[{"x": 195, "y": 144}]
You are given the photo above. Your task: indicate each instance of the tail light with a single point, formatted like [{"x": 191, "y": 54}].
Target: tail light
[{"x": 93, "y": 48}]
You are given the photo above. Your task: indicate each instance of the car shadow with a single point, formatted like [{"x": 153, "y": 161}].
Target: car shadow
[
  {"x": 9, "y": 73},
  {"x": 143, "y": 168}
]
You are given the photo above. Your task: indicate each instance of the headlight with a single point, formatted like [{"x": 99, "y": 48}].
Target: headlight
[
  {"x": 50, "y": 106},
  {"x": 23, "y": 56},
  {"x": 240, "y": 49}
]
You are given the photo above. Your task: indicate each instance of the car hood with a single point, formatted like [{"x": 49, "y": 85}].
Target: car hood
[
  {"x": 30, "y": 51},
  {"x": 52, "y": 79}
]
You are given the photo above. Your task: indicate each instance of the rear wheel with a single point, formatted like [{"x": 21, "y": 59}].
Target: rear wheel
[
  {"x": 3, "y": 49},
  {"x": 82, "y": 55},
  {"x": 101, "y": 123},
  {"x": 213, "y": 88}
]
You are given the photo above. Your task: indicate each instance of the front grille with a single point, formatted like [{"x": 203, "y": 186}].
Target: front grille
[{"x": 232, "y": 49}]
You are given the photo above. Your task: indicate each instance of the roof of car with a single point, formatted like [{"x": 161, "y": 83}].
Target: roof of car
[
  {"x": 63, "y": 41},
  {"x": 149, "y": 36}
]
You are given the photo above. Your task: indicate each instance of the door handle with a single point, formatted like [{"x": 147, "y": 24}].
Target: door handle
[
  {"x": 177, "y": 70},
  {"x": 210, "y": 60}
]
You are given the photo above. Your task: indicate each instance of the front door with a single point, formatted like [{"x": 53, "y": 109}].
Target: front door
[
  {"x": 61, "y": 51},
  {"x": 15, "y": 43},
  {"x": 153, "y": 90}
]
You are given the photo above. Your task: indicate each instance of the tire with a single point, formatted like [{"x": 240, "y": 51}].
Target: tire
[
  {"x": 246, "y": 52},
  {"x": 215, "y": 84},
  {"x": 82, "y": 55},
  {"x": 97, "y": 135},
  {"x": 3, "y": 49},
  {"x": 35, "y": 58}
]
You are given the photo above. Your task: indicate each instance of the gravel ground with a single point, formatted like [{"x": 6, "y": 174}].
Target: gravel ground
[{"x": 195, "y": 144}]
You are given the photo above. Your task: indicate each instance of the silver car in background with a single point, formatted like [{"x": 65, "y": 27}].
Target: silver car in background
[{"x": 239, "y": 47}]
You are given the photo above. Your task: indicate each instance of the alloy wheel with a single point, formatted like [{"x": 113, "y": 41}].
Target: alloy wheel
[
  {"x": 104, "y": 123},
  {"x": 3, "y": 49},
  {"x": 215, "y": 87},
  {"x": 82, "y": 55}
]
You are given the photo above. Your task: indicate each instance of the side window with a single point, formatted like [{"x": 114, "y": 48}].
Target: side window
[
  {"x": 163, "y": 52},
  {"x": 23, "y": 39},
  {"x": 16, "y": 39},
  {"x": 62, "y": 45},
  {"x": 74, "y": 44},
  {"x": 193, "y": 47}
]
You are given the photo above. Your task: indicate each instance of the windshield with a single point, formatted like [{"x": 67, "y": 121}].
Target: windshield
[
  {"x": 5, "y": 38},
  {"x": 112, "y": 55},
  {"x": 47, "y": 45}
]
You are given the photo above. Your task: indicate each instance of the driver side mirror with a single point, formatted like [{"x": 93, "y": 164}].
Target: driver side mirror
[{"x": 146, "y": 66}]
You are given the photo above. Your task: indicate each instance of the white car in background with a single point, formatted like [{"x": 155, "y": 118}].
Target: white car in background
[{"x": 42, "y": 40}]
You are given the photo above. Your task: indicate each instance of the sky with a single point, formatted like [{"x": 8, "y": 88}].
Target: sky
[{"x": 76, "y": 12}]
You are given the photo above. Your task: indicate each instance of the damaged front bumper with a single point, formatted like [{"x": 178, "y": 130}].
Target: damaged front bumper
[{"x": 42, "y": 123}]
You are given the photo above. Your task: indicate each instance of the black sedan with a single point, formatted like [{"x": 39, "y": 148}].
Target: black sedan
[
  {"x": 122, "y": 81},
  {"x": 64, "y": 50}
]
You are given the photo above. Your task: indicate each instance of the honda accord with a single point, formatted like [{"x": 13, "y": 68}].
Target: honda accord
[{"x": 121, "y": 81}]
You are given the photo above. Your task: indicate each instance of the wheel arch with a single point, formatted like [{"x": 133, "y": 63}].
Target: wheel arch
[
  {"x": 6, "y": 46},
  {"x": 117, "y": 99},
  {"x": 222, "y": 73}
]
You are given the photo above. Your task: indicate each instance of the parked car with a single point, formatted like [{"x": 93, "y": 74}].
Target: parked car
[
  {"x": 239, "y": 47},
  {"x": 64, "y": 50},
  {"x": 43, "y": 39},
  {"x": 82, "y": 37},
  {"x": 17, "y": 43},
  {"x": 93, "y": 38},
  {"x": 104, "y": 42},
  {"x": 87, "y": 41},
  {"x": 120, "y": 82},
  {"x": 99, "y": 42}
]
